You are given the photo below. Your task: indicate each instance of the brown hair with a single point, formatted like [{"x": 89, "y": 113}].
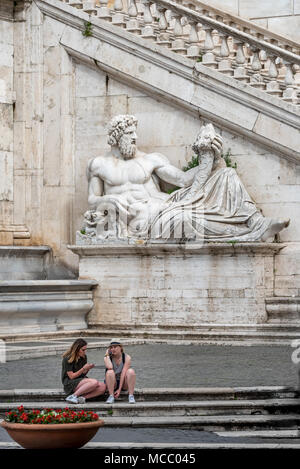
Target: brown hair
[{"x": 73, "y": 352}]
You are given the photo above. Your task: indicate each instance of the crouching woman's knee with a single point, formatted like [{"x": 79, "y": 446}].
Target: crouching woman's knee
[{"x": 130, "y": 372}]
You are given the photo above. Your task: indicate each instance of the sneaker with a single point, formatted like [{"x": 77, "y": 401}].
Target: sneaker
[
  {"x": 110, "y": 400},
  {"x": 81, "y": 400},
  {"x": 131, "y": 399},
  {"x": 73, "y": 399}
]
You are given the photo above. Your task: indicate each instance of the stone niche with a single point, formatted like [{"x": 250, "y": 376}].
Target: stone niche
[{"x": 179, "y": 285}]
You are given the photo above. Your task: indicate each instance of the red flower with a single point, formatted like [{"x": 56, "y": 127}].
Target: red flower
[{"x": 21, "y": 408}]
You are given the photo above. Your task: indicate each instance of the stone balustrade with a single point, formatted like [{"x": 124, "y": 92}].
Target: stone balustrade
[
  {"x": 230, "y": 46},
  {"x": 241, "y": 24}
]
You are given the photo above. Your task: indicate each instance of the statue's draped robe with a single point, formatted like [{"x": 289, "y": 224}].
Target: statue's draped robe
[{"x": 221, "y": 210}]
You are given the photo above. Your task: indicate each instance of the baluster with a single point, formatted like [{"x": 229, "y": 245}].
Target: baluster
[
  {"x": 140, "y": 11},
  {"x": 119, "y": 17},
  {"x": 163, "y": 37},
  {"x": 240, "y": 71},
  {"x": 273, "y": 85},
  {"x": 290, "y": 92},
  {"x": 178, "y": 45},
  {"x": 263, "y": 57},
  {"x": 224, "y": 65},
  {"x": 256, "y": 79},
  {"x": 89, "y": 7},
  {"x": 103, "y": 11},
  {"x": 297, "y": 75},
  {"x": 148, "y": 31},
  {"x": 133, "y": 25},
  {"x": 76, "y": 3},
  {"x": 208, "y": 58},
  {"x": 193, "y": 51}
]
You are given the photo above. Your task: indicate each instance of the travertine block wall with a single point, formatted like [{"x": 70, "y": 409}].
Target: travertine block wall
[
  {"x": 59, "y": 122},
  {"x": 218, "y": 284},
  {"x": 280, "y": 16},
  {"x": 272, "y": 182},
  {"x": 6, "y": 122}
]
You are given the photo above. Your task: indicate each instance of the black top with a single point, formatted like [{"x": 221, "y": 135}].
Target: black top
[{"x": 71, "y": 384}]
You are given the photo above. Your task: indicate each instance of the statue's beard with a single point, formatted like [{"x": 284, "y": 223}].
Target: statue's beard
[{"x": 127, "y": 149}]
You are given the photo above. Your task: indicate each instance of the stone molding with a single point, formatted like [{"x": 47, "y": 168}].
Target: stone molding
[
  {"x": 20, "y": 251},
  {"x": 37, "y": 286},
  {"x": 45, "y": 305},
  {"x": 173, "y": 249},
  {"x": 283, "y": 309}
]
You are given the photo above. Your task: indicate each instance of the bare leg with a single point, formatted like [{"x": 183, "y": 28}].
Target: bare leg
[
  {"x": 130, "y": 380},
  {"x": 110, "y": 380},
  {"x": 98, "y": 391},
  {"x": 86, "y": 386}
]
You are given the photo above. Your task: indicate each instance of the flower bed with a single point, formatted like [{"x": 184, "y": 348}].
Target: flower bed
[{"x": 49, "y": 416}]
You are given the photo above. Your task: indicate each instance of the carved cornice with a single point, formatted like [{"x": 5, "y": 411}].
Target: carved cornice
[{"x": 165, "y": 249}]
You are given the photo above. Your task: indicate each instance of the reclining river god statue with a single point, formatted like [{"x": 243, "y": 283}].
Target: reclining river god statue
[{"x": 210, "y": 204}]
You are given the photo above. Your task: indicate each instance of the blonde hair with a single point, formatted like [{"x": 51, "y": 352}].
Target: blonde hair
[{"x": 73, "y": 352}]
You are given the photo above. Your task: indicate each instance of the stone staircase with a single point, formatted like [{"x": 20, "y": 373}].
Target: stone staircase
[
  {"x": 252, "y": 410},
  {"x": 233, "y": 46}
]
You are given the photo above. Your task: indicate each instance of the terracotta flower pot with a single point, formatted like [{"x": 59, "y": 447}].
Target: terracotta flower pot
[{"x": 41, "y": 436}]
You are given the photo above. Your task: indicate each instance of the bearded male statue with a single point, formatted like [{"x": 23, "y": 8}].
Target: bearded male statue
[{"x": 211, "y": 204}]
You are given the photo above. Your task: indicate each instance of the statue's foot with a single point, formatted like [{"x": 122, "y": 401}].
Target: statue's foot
[{"x": 275, "y": 227}]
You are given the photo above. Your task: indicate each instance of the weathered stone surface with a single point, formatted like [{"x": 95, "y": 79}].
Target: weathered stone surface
[
  {"x": 45, "y": 305},
  {"x": 65, "y": 99},
  {"x": 179, "y": 284}
]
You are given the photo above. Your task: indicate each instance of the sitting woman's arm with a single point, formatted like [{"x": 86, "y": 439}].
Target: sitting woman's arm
[{"x": 78, "y": 373}]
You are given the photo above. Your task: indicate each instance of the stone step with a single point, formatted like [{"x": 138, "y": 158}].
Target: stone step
[
  {"x": 212, "y": 335},
  {"x": 22, "y": 396},
  {"x": 269, "y": 333},
  {"x": 169, "y": 446},
  {"x": 209, "y": 422},
  {"x": 278, "y": 434},
  {"x": 171, "y": 409}
]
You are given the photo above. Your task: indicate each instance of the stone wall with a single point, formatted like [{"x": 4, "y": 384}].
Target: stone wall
[
  {"x": 281, "y": 17},
  {"x": 62, "y": 107},
  {"x": 6, "y": 122}
]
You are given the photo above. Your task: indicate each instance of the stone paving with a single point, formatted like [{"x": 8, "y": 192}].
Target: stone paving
[{"x": 162, "y": 365}]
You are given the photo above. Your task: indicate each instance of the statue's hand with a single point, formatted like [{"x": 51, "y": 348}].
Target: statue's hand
[{"x": 217, "y": 145}]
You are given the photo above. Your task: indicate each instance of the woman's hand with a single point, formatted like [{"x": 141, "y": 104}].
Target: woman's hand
[
  {"x": 87, "y": 367},
  {"x": 117, "y": 393}
]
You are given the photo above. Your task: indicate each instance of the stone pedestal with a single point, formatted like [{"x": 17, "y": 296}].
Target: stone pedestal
[
  {"x": 29, "y": 306},
  {"x": 179, "y": 285}
]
